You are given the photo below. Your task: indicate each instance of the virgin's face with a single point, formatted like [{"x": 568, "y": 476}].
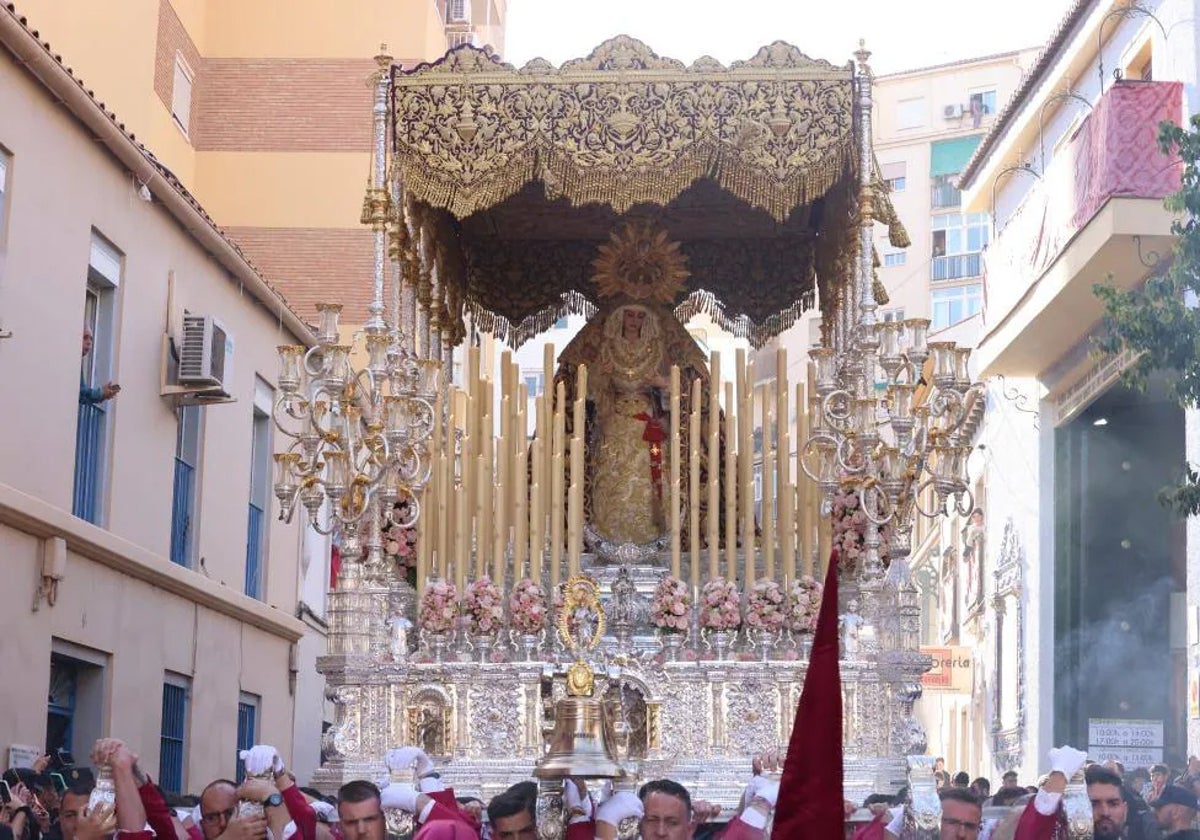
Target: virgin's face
[{"x": 631, "y": 322}]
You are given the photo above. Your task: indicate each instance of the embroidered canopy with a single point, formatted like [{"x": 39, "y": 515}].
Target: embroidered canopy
[{"x": 514, "y": 178}]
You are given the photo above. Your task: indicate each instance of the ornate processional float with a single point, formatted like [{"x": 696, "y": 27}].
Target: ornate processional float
[{"x": 584, "y": 580}]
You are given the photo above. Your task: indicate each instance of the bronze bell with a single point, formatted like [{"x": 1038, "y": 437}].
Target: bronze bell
[{"x": 581, "y": 743}]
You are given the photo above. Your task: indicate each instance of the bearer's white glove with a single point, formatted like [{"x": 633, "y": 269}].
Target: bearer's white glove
[
  {"x": 573, "y": 798},
  {"x": 767, "y": 791},
  {"x": 261, "y": 758},
  {"x": 399, "y": 796},
  {"x": 403, "y": 758},
  {"x": 1066, "y": 760},
  {"x": 620, "y": 806}
]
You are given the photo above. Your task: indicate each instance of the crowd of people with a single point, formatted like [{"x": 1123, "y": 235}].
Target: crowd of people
[
  {"x": 1143, "y": 804},
  {"x": 55, "y": 803},
  {"x": 39, "y": 806}
]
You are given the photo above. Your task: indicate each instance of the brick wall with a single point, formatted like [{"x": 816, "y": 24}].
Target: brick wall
[
  {"x": 284, "y": 105},
  {"x": 172, "y": 39},
  {"x": 314, "y": 265}
]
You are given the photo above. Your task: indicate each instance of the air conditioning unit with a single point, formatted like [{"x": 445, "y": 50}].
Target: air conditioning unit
[
  {"x": 952, "y": 112},
  {"x": 202, "y": 356}
]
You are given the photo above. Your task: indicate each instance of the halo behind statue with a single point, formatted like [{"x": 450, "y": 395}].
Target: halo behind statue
[{"x": 640, "y": 263}]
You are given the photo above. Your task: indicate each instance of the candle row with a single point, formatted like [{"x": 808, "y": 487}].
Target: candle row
[{"x": 503, "y": 503}]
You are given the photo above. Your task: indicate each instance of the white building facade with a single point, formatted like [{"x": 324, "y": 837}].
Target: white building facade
[{"x": 1086, "y": 638}]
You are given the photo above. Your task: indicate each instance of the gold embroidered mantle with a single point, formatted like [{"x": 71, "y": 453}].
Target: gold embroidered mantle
[{"x": 524, "y": 173}]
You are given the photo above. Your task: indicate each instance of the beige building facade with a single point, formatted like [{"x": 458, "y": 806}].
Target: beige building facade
[
  {"x": 150, "y": 594},
  {"x": 262, "y": 110}
]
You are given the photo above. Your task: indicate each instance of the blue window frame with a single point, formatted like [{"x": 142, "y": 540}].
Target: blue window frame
[
  {"x": 173, "y": 736},
  {"x": 260, "y": 495},
  {"x": 183, "y": 502},
  {"x": 247, "y": 727}
]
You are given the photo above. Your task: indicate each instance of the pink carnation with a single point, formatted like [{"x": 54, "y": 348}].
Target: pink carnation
[
  {"x": 481, "y": 605},
  {"x": 804, "y": 603},
  {"x": 671, "y": 604},
  {"x": 722, "y": 605},
  {"x": 439, "y": 607},
  {"x": 527, "y": 606}
]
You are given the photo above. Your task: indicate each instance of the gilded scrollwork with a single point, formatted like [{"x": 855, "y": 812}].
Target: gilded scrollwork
[
  {"x": 623, "y": 127},
  {"x": 554, "y": 156}
]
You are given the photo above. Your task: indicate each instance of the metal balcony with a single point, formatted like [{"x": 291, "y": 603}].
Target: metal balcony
[{"x": 955, "y": 267}]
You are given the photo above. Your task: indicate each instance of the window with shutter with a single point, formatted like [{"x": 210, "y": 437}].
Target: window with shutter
[
  {"x": 173, "y": 735},
  {"x": 181, "y": 94}
]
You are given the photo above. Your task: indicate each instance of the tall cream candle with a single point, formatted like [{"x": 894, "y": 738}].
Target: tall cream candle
[
  {"x": 746, "y": 466},
  {"x": 472, "y": 447},
  {"x": 548, "y": 430},
  {"x": 463, "y": 505},
  {"x": 694, "y": 552},
  {"x": 804, "y": 485},
  {"x": 575, "y": 494},
  {"x": 768, "y": 506},
  {"x": 820, "y": 527},
  {"x": 475, "y": 384},
  {"x": 713, "y": 487},
  {"x": 487, "y": 460},
  {"x": 537, "y": 495},
  {"x": 440, "y": 422},
  {"x": 676, "y": 455},
  {"x": 445, "y": 476},
  {"x": 426, "y": 532},
  {"x": 442, "y": 569},
  {"x": 581, "y": 392},
  {"x": 558, "y": 485},
  {"x": 574, "y": 534},
  {"x": 503, "y": 494},
  {"x": 786, "y": 506},
  {"x": 462, "y": 527},
  {"x": 731, "y": 484},
  {"x": 507, "y": 380},
  {"x": 520, "y": 478}
]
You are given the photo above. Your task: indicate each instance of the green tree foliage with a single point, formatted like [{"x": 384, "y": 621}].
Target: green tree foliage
[{"x": 1161, "y": 320}]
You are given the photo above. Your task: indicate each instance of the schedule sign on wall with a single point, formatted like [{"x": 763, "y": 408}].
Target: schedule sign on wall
[{"x": 1134, "y": 743}]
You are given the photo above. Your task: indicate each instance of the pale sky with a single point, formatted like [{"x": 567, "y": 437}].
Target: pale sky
[{"x": 902, "y": 34}]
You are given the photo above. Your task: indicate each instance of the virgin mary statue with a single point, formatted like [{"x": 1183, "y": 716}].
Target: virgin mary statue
[{"x": 629, "y": 347}]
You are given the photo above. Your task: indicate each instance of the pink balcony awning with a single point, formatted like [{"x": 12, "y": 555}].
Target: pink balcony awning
[
  {"x": 1030, "y": 267},
  {"x": 1117, "y": 152}
]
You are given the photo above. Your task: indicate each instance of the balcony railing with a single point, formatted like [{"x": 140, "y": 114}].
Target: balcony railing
[
  {"x": 254, "y": 541},
  {"x": 85, "y": 502},
  {"x": 945, "y": 195},
  {"x": 181, "y": 512},
  {"x": 955, "y": 266}
]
